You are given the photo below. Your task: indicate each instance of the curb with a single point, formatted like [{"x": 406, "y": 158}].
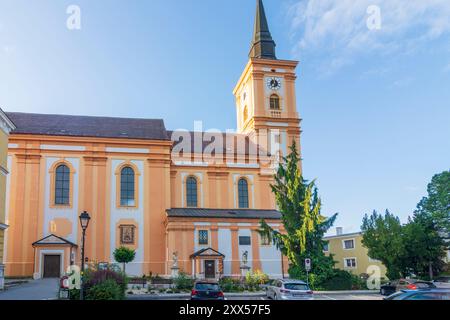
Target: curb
[
  {"x": 187, "y": 295},
  {"x": 349, "y": 292},
  {"x": 13, "y": 284}
]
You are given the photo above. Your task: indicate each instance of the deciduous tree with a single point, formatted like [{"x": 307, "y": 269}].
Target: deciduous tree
[
  {"x": 124, "y": 255},
  {"x": 382, "y": 236}
]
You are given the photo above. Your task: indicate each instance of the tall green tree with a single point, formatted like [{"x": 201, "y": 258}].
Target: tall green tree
[
  {"x": 382, "y": 236},
  {"x": 437, "y": 203},
  {"x": 299, "y": 203},
  {"x": 424, "y": 248},
  {"x": 415, "y": 248}
]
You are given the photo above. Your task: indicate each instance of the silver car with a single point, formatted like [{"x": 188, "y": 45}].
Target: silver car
[
  {"x": 289, "y": 290},
  {"x": 442, "y": 282}
]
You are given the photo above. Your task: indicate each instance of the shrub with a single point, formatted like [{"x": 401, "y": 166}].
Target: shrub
[
  {"x": 74, "y": 294},
  {"x": 253, "y": 280},
  {"x": 106, "y": 290},
  {"x": 230, "y": 285},
  {"x": 98, "y": 278},
  {"x": 342, "y": 280},
  {"x": 183, "y": 282}
]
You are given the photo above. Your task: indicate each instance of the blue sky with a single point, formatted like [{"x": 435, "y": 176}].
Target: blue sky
[{"x": 375, "y": 103}]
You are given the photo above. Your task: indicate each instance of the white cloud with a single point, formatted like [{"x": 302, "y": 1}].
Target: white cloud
[{"x": 338, "y": 28}]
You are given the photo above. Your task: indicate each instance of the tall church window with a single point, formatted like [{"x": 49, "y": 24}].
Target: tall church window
[
  {"x": 62, "y": 185},
  {"x": 127, "y": 189},
  {"x": 191, "y": 192},
  {"x": 274, "y": 102},
  {"x": 243, "y": 193}
]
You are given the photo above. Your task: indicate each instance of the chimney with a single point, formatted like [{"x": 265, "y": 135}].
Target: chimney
[{"x": 339, "y": 231}]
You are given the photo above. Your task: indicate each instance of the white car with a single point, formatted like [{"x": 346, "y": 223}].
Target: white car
[
  {"x": 442, "y": 282},
  {"x": 289, "y": 290}
]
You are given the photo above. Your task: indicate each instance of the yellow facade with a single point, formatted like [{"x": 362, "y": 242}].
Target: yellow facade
[{"x": 350, "y": 254}]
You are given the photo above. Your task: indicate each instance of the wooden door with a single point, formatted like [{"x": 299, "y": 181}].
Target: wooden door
[
  {"x": 210, "y": 269},
  {"x": 52, "y": 266}
]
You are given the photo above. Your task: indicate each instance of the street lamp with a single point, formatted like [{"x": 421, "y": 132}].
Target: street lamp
[{"x": 84, "y": 222}]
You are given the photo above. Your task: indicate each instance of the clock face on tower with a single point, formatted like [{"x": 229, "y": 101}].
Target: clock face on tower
[{"x": 274, "y": 83}]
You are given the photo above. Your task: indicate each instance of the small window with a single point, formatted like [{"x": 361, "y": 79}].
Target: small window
[
  {"x": 274, "y": 102},
  {"x": 350, "y": 262},
  {"x": 245, "y": 241},
  {"x": 326, "y": 247},
  {"x": 191, "y": 192},
  {"x": 127, "y": 234},
  {"x": 62, "y": 185},
  {"x": 243, "y": 193},
  {"x": 127, "y": 196},
  {"x": 349, "y": 244},
  {"x": 203, "y": 237}
]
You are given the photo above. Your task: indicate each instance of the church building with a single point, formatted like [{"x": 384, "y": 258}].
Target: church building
[{"x": 186, "y": 200}]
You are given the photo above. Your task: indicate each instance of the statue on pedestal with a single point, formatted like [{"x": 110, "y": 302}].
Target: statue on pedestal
[
  {"x": 245, "y": 258},
  {"x": 175, "y": 259},
  {"x": 175, "y": 268}
]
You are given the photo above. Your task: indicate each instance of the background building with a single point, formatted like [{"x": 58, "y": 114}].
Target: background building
[
  {"x": 5, "y": 128},
  {"x": 350, "y": 254}
]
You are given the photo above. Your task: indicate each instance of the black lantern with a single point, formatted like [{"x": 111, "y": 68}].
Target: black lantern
[{"x": 84, "y": 220}]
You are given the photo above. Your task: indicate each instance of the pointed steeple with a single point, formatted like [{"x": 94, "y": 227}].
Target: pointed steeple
[{"x": 263, "y": 45}]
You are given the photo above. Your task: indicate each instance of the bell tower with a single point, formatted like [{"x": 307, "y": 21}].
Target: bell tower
[{"x": 265, "y": 93}]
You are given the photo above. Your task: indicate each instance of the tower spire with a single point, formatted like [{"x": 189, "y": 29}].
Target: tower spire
[{"x": 263, "y": 45}]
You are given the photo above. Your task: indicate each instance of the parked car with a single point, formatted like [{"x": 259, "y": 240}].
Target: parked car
[
  {"x": 421, "y": 294},
  {"x": 404, "y": 284},
  {"x": 442, "y": 282},
  {"x": 289, "y": 290},
  {"x": 204, "y": 290}
]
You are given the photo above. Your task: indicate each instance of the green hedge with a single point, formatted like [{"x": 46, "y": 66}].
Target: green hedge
[
  {"x": 183, "y": 282},
  {"x": 343, "y": 280},
  {"x": 107, "y": 290}
]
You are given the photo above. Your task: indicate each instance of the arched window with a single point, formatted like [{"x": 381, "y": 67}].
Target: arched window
[
  {"x": 245, "y": 114},
  {"x": 62, "y": 185},
  {"x": 243, "y": 193},
  {"x": 274, "y": 102},
  {"x": 191, "y": 192},
  {"x": 127, "y": 191}
]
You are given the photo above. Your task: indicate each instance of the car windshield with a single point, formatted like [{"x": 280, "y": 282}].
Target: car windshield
[
  {"x": 207, "y": 287},
  {"x": 296, "y": 286},
  {"x": 423, "y": 284},
  {"x": 431, "y": 296}
]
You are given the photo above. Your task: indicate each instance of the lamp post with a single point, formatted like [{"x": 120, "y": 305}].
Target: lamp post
[{"x": 84, "y": 222}]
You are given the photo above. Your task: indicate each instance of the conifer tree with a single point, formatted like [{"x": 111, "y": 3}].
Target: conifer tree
[{"x": 299, "y": 204}]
